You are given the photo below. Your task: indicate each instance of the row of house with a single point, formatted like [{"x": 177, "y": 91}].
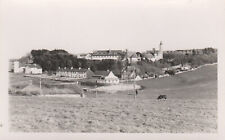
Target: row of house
[
  {"x": 106, "y": 77},
  {"x": 74, "y": 73}
]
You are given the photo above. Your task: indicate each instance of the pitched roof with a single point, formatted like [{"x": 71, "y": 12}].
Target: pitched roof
[
  {"x": 107, "y": 53},
  {"x": 148, "y": 55},
  {"x": 32, "y": 66},
  {"x": 73, "y": 70},
  {"x": 102, "y": 73},
  {"x": 111, "y": 76}
]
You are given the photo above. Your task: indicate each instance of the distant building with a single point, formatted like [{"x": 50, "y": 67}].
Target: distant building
[
  {"x": 137, "y": 78},
  {"x": 106, "y": 77},
  {"x": 33, "y": 69},
  {"x": 134, "y": 58},
  {"x": 107, "y": 54},
  {"x": 26, "y": 68},
  {"x": 154, "y": 55},
  {"x": 17, "y": 68},
  {"x": 79, "y": 73},
  {"x": 84, "y": 56},
  {"x": 128, "y": 73}
]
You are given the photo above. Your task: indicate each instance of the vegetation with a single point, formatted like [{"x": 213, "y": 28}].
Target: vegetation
[
  {"x": 51, "y": 60},
  {"x": 191, "y": 107},
  {"x": 207, "y": 55}
]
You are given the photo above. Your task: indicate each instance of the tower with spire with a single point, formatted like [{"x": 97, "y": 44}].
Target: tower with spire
[{"x": 160, "y": 52}]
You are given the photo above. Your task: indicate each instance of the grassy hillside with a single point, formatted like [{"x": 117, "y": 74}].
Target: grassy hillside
[
  {"x": 201, "y": 83},
  {"x": 20, "y": 85},
  {"x": 191, "y": 107}
]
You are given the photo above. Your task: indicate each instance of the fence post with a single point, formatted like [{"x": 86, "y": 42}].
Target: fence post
[{"x": 40, "y": 87}]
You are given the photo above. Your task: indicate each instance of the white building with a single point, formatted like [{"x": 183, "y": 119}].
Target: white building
[
  {"x": 85, "y": 56},
  {"x": 17, "y": 68},
  {"x": 26, "y": 68},
  {"x": 138, "y": 78},
  {"x": 75, "y": 73},
  {"x": 107, "y": 54},
  {"x": 33, "y": 69},
  {"x": 109, "y": 79}
]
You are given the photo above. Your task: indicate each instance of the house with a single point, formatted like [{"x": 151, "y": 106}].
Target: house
[
  {"x": 33, "y": 69},
  {"x": 135, "y": 57},
  {"x": 17, "y": 67},
  {"x": 129, "y": 73},
  {"x": 138, "y": 78},
  {"x": 84, "y": 56},
  {"x": 107, "y": 54},
  {"x": 75, "y": 73},
  {"x": 148, "y": 56},
  {"x": 107, "y": 77}
]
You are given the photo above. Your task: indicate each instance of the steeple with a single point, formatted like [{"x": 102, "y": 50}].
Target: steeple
[{"x": 160, "y": 46}]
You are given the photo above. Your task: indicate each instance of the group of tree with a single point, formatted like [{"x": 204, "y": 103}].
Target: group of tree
[
  {"x": 52, "y": 60},
  {"x": 196, "y": 58}
]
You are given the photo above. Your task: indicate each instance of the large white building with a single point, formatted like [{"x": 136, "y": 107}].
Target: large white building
[
  {"x": 107, "y": 54},
  {"x": 103, "y": 54},
  {"x": 26, "y": 68}
]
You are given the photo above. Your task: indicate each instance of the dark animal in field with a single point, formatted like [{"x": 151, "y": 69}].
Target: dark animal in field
[{"x": 162, "y": 97}]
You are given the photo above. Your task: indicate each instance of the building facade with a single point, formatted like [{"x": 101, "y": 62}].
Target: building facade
[
  {"x": 33, "y": 69},
  {"x": 107, "y": 54},
  {"x": 109, "y": 79},
  {"x": 79, "y": 73}
]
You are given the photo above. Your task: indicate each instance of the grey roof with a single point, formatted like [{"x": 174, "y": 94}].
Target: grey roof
[
  {"x": 102, "y": 73},
  {"x": 73, "y": 70},
  {"x": 31, "y": 65},
  {"x": 107, "y": 53}
]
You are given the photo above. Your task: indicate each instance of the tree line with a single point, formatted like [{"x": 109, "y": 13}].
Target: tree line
[{"x": 52, "y": 60}]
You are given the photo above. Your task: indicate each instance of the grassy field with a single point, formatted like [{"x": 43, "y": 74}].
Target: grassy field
[{"x": 191, "y": 107}]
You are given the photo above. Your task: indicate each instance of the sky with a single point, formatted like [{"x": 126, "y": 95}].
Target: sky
[{"x": 82, "y": 26}]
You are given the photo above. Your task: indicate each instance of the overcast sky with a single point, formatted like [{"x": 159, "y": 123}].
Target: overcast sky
[{"x": 86, "y": 25}]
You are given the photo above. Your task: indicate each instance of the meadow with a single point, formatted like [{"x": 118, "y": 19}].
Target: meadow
[{"x": 191, "y": 107}]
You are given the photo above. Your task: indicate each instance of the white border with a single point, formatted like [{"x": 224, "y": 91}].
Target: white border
[{"x": 5, "y": 134}]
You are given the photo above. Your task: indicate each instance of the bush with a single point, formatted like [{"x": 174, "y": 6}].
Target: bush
[{"x": 170, "y": 72}]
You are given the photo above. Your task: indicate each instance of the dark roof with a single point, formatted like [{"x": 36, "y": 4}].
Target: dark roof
[
  {"x": 107, "y": 53},
  {"x": 73, "y": 70},
  {"x": 32, "y": 65},
  {"x": 102, "y": 73},
  {"x": 148, "y": 55}
]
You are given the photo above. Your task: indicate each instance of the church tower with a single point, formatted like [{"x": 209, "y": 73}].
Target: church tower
[{"x": 160, "y": 52}]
